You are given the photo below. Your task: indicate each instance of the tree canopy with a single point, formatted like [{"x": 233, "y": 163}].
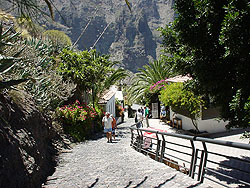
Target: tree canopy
[
  {"x": 180, "y": 98},
  {"x": 58, "y": 38},
  {"x": 209, "y": 40},
  {"x": 90, "y": 70}
]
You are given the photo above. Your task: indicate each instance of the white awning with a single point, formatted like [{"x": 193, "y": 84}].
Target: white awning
[{"x": 179, "y": 79}]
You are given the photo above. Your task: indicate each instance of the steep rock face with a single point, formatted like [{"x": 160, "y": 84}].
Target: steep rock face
[
  {"x": 131, "y": 38},
  {"x": 25, "y": 136}
]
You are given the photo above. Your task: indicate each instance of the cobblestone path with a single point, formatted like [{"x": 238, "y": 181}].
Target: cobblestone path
[{"x": 97, "y": 163}]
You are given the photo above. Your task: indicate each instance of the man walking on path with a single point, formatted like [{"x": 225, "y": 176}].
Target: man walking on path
[
  {"x": 146, "y": 115},
  {"x": 98, "y": 165},
  {"x": 107, "y": 124}
]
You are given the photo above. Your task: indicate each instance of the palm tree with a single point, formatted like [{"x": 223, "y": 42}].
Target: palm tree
[
  {"x": 112, "y": 79},
  {"x": 31, "y": 7},
  {"x": 148, "y": 75}
]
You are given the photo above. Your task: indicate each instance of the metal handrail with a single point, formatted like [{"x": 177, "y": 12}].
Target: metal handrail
[
  {"x": 202, "y": 139},
  {"x": 199, "y": 157}
]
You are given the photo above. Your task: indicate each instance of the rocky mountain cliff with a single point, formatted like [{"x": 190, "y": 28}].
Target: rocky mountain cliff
[
  {"x": 131, "y": 37},
  {"x": 26, "y": 151}
]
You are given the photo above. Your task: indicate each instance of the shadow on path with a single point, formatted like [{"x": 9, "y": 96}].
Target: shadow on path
[
  {"x": 139, "y": 184},
  {"x": 239, "y": 170},
  {"x": 161, "y": 184},
  {"x": 93, "y": 184},
  {"x": 229, "y": 133},
  {"x": 195, "y": 185},
  {"x": 129, "y": 183}
]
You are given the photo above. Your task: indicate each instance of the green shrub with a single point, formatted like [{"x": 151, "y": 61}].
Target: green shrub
[
  {"x": 78, "y": 120},
  {"x": 180, "y": 98}
]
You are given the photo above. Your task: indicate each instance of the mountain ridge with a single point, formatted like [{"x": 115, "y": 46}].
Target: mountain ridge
[{"x": 131, "y": 38}]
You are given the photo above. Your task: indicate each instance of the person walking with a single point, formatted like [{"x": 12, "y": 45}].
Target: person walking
[
  {"x": 146, "y": 115},
  {"x": 107, "y": 124},
  {"x": 142, "y": 111},
  {"x": 140, "y": 118},
  {"x": 114, "y": 126}
]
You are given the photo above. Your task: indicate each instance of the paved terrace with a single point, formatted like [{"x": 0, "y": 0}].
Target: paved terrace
[
  {"x": 232, "y": 136},
  {"x": 97, "y": 163}
]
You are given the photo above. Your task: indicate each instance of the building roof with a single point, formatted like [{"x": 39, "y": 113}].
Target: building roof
[
  {"x": 179, "y": 78},
  {"x": 106, "y": 96}
]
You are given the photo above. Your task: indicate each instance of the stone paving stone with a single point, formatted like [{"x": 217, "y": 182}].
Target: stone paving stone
[{"x": 97, "y": 163}]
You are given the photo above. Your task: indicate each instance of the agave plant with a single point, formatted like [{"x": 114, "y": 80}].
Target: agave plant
[
  {"x": 7, "y": 39},
  {"x": 49, "y": 88},
  {"x": 44, "y": 84}
]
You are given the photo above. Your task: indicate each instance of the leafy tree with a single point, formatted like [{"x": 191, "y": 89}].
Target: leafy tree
[
  {"x": 178, "y": 97},
  {"x": 90, "y": 71},
  {"x": 209, "y": 40}
]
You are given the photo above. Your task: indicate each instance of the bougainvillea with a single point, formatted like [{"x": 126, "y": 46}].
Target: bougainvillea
[
  {"x": 75, "y": 112},
  {"x": 77, "y": 119},
  {"x": 158, "y": 85}
]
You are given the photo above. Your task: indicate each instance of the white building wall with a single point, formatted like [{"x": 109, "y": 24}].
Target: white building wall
[
  {"x": 110, "y": 106},
  {"x": 210, "y": 125}
]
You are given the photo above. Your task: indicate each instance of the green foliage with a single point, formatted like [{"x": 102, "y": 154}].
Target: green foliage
[
  {"x": 9, "y": 59},
  {"x": 240, "y": 109},
  {"x": 246, "y": 135},
  {"x": 59, "y": 38},
  {"x": 147, "y": 76},
  {"x": 209, "y": 40},
  {"x": 44, "y": 84},
  {"x": 47, "y": 87},
  {"x": 77, "y": 120},
  {"x": 176, "y": 96},
  {"x": 90, "y": 71}
]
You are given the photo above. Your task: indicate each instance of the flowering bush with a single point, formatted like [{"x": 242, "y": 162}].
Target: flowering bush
[
  {"x": 75, "y": 112},
  {"x": 77, "y": 119},
  {"x": 158, "y": 85}
]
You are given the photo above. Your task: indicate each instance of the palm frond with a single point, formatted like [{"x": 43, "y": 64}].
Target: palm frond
[
  {"x": 117, "y": 75},
  {"x": 148, "y": 75}
]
